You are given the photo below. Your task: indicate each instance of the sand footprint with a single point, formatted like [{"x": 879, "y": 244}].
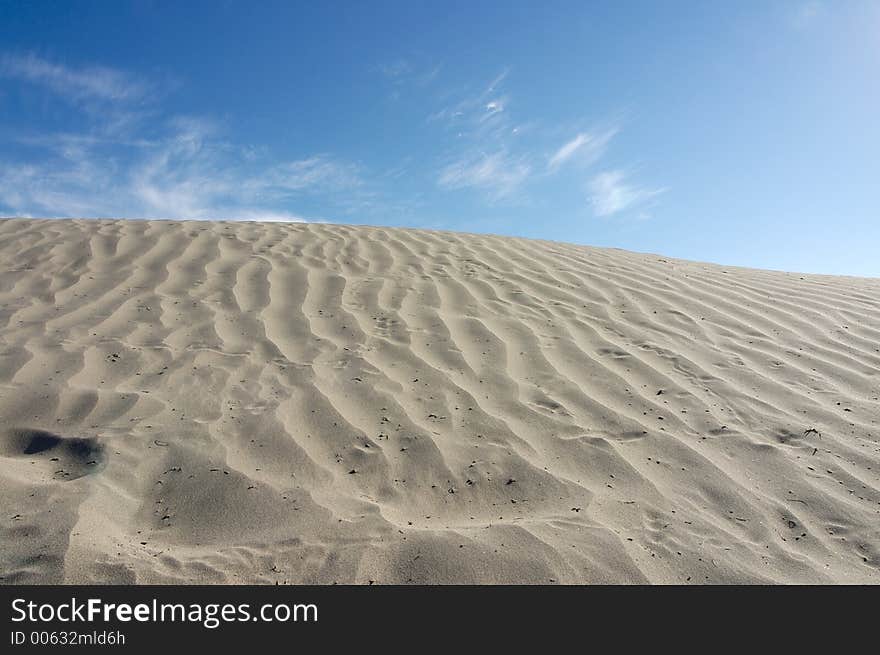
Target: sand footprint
[{"x": 59, "y": 457}]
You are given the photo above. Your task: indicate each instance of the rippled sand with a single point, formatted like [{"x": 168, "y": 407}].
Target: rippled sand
[{"x": 247, "y": 402}]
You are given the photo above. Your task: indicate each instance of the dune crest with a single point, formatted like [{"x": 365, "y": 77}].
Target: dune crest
[{"x": 302, "y": 403}]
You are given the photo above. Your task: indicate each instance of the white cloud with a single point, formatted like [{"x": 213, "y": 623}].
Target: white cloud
[
  {"x": 264, "y": 215},
  {"x": 186, "y": 177},
  {"x": 475, "y": 108},
  {"x": 495, "y": 106},
  {"x": 407, "y": 76},
  {"x": 499, "y": 173},
  {"x": 113, "y": 162},
  {"x": 611, "y": 194},
  {"x": 112, "y": 166},
  {"x": 496, "y": 83},
  {"x": 288, "y": 178},
  {"x": 188, "y": 173},
  {"x": 93, "y": 83},
  {"x": 587, "y": 145},
  {"x": 186, "y": 169},
  {"x": 492, "y": 153},
  {"x": 481, "y": 153}
]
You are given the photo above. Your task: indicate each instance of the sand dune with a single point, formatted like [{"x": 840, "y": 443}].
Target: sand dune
[{"x": 261, "y": 403}]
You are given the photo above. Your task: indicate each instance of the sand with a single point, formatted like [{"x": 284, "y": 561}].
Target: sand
[{"x": 216, "y": 402}]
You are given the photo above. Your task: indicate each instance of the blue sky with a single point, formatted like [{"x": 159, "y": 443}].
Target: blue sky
[{"x": 744, "y": 133}]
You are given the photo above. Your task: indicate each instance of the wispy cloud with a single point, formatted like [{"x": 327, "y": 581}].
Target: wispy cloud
[
  {"x": 189, "y": 171},
  {"x": 495, "y": 83},
  {"x": 492, "y": 153},
  {"x": 168, "y": 182},
  {"x": 588, "y": 146},
  {"x": 407, "y": 76},
  {"x": 611, "y": 194},
  {"x": 74, "y": 84},
  {"x": 183, "y": 175},
  {"x": 493, "y": 107},
  {"x": 478, "y": 113},
  {"x": 111, "y": 161},
  {"x": 115, "y": 101},
  {"x": 484, "y": 154},
  {"x": 499, "y": 173},
  {"x": 182, "y": 167}
]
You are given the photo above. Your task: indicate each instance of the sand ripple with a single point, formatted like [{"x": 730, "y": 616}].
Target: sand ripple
[{"x": 260, "y": 403}]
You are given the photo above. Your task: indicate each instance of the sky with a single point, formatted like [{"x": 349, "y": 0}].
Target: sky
[{"x": 743, "y": 133}]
